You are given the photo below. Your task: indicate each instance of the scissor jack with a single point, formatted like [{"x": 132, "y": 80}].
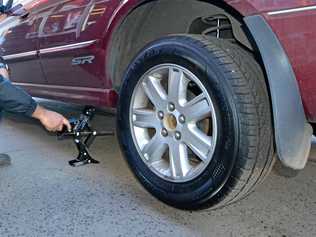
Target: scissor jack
[{"x": 83, "y": 135}]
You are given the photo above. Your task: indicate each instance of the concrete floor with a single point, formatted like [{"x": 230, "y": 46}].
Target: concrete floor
[{"x": 40, "y": 195}]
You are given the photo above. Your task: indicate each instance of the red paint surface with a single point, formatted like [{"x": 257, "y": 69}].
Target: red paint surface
[
  {"x": 56, "y": 23},
  {"x": 250, "y": 7},
  {"x": 297, "y": 33}
]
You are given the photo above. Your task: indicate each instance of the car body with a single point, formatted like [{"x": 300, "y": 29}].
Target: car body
[
  {"x": 100, "y": 19},
  {"x": 78, "y": 51}
]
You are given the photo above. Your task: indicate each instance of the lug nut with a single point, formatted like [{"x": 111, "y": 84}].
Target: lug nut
[
  {"x": 182, "y": 119},
  {"x": 178, "y": 135},
  {"x": 171, "y": 107},
  {"x": 164, "y": 132},
  {"x": 160, "y": 115}
]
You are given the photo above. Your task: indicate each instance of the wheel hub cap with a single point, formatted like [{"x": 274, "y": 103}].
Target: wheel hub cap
[{"x": 170, "y": 122}]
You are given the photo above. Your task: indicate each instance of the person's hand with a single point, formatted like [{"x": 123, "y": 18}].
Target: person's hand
[
  {"x": 52, "y": 121},
  {"x": 4, "y": 73}
]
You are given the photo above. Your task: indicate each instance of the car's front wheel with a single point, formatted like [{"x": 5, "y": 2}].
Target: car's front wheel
[{"x": 194, "y": 121}]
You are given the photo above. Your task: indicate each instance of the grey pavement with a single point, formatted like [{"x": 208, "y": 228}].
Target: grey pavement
[{"x": 40, "y": 195}]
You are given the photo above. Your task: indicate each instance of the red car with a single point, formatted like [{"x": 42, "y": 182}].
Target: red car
[{"x": 207, "y": 93}]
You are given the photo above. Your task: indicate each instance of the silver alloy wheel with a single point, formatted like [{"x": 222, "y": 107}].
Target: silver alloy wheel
[{"x": 173, "y": 123}]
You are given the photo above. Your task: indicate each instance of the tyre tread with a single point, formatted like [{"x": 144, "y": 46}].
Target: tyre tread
[{"x": 247, "y": 81}]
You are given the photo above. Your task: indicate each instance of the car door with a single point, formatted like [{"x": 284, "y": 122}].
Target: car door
[
  {"x": 19, "y": 45},
  {"x": 69, "y": 44}
]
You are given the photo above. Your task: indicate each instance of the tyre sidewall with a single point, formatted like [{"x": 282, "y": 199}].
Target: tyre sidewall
[{"x": 177, "y": 50}]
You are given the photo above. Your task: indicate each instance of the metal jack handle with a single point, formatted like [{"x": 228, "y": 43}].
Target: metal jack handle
[{"x": 83, "y": 135}]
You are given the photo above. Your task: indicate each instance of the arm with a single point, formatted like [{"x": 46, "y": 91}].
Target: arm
[{"x": 14, "y": 99}]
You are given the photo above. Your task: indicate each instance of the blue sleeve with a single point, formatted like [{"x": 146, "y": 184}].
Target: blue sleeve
[{"x": 14, "y": 99}]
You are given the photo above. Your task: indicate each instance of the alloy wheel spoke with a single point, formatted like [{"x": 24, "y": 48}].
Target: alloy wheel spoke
[
  {"x": 154, "y": 149},
  {"x": 198, "y": 109},
  {"x": 177, "y": 86},
  {"x": 144, "y": 118},
  {"x": 198, "y": 141},
  {"x": 179, "y": 160},
  {"x": 155, "y": 92},
  {"x": 173, "y": 123}
]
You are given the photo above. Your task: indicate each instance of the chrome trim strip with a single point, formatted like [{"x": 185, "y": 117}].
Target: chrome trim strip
[
  {"x": 74, "y": 88},
  {"x": 20, "y": 55},
  {"x": 67, "y": 47},
  {"x": 300, "y": 9},
  {"x": 50, "y": 50}
]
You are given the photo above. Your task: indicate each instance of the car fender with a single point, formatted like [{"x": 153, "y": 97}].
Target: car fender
[{"x": 293, "y": 133}]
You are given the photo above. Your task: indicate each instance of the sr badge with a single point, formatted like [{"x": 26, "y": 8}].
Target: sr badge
[{"x": 83, "y": 60}]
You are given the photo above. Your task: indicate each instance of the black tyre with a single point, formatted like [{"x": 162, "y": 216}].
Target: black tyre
[{"x": 194, "y": 121}]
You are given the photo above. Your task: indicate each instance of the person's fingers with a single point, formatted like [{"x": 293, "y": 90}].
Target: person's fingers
[
  {"x": 60, "y": 127},
  {"x": 67, "y": 124},
  {"x": 53, "y": 121},
  {"x": 52, "y": 129}
]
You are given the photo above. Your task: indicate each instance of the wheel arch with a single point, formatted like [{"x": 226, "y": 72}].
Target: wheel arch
[{"x": 129, "y": 18}]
